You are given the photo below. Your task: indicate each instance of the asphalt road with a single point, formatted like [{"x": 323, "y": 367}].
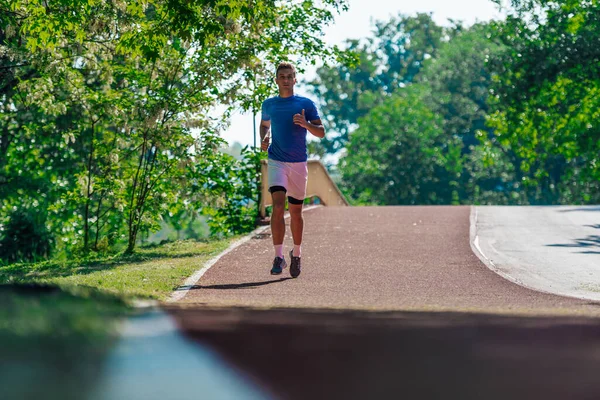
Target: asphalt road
[
  {"x": 554, "y": 249},
  {"x": 376, "y": 258}
]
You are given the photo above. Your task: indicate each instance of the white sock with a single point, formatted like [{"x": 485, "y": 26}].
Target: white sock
[
  {"x": 297, "y": 252},
  {"x": 278, "y": 250}
]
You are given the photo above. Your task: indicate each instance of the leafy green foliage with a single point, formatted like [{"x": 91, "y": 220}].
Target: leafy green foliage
[
  {"x": 399, "y": 154},
  {"x": 389, "y": 60},
  {"x": 459, "y": 81},
  {"x": 236, "y": 189},
  {"x": 24, "y": 238},
  {"x": 515, "y": 106},
  {"x": 444, "y": 106},
  {"x": 105, "y": 122},
  {"x": 545, "y": 104}
]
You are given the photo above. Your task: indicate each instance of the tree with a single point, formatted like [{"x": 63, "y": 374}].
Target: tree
[
  {"x": 400, "y": 155},
  {"x": 459, "y": 80},
  {"x": 389, "y": 60},
  {"x": 453, "y": 86},
  {"x": 545, "y": 99},
  {"x": 101, "y": 99}
]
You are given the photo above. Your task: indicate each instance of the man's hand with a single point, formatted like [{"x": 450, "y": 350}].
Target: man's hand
[
  {"x": 264, "y": 145},
  {"x": 300, "y": 119},
  {"x": 265, "y": 135},
  {"x": 315, "y": 127}
]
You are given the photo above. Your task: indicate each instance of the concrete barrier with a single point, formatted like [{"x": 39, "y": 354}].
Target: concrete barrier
[{"x": 319, "y": 184}]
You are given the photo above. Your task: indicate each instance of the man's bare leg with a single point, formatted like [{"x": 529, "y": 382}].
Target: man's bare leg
[
  {"x": 278, "y": 231},
  {"x": 297, "y": 227},
  {"x": 296, "y": 223},
  {"x": 277, "y": 221}
]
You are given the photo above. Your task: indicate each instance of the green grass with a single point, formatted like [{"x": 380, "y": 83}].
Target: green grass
[{"x": 151, "y": 273}]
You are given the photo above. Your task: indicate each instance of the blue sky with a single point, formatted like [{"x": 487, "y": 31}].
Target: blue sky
[{"x": 356, "y": 23}]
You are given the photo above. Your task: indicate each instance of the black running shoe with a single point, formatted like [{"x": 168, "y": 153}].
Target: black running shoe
[
  {"x": 279, "y": 265},
  {"x": 294, "y": 265}
]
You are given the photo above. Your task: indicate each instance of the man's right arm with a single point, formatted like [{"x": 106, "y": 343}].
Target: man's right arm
[{"x": 265, "y": 127}]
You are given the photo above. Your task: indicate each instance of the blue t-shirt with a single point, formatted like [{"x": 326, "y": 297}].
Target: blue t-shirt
[{"x": 288, "y": 140}]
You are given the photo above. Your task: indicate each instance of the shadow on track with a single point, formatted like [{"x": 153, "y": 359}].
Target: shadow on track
[{"x": 228, "y": 286}]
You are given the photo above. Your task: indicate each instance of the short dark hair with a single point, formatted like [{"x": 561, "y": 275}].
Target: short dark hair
[{"x": 285, "y": 65}]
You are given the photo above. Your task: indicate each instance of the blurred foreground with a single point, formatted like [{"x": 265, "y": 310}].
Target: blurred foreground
[{"x": 57, "y": 345}]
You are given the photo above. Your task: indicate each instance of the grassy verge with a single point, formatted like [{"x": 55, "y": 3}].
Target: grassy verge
[{"x": 152, "y": 272}]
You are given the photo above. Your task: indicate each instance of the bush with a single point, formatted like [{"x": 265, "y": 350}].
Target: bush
[
  {"x": 238, "y": 185},
  {"x": 25, "y": 239}
]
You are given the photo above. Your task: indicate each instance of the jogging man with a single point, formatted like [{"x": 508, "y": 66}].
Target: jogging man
[{"x": 288, "y": 117}]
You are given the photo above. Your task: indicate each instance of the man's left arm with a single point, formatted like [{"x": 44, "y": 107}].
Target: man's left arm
[{"x": 315, "y": 126}]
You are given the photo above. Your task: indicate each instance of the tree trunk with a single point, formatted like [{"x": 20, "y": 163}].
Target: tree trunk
[{"x": 86, "y": 225}]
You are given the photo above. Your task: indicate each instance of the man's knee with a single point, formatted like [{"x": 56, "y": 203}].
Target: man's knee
[
  {"x": 278, "y": 203},
  {"x": 278, "y": 207},
  {"x": 295, "y": 211}
]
